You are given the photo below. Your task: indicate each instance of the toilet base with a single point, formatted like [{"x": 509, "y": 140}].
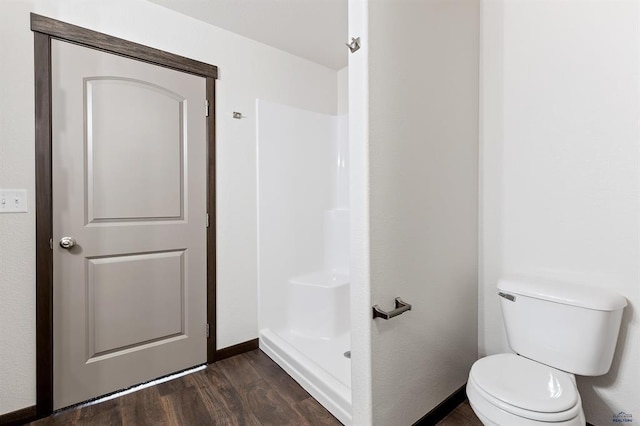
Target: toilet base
[{"x": 490, "y": 415}]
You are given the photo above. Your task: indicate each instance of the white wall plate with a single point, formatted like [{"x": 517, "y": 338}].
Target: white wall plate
[{"x": 13, "y": 200}]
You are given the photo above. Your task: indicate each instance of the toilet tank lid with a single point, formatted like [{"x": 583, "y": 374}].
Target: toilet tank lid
[{"x": 562, "y": 292}]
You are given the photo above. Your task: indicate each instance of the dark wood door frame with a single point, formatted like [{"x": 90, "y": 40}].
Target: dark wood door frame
[{"x": 44, "y": 30}]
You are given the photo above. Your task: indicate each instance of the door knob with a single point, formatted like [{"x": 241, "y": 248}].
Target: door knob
[{"x": 67, "y": 242}]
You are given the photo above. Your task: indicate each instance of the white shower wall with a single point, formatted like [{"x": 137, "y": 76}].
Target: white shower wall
[
  {"x": 342, "y": 162},
  {"x": 303, "y": 249},
  {"x": 302, "y": 185}
]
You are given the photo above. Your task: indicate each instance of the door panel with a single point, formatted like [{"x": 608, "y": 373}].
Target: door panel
[
  {"x": 152, "y": 189},
  {"x": 134, "y": 300},
  {"x": 129, "y": 185}
]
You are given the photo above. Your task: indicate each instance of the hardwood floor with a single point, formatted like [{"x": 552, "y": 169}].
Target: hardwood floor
[
  {"x": 463, "y": 415},
  {"x": 247, "y": 389}
]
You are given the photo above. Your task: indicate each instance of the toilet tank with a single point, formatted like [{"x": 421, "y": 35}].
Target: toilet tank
[{"x": 571, "y": 327}]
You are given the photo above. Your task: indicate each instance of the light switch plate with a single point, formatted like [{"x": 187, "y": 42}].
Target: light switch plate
[{"x": 13, "y": 200}]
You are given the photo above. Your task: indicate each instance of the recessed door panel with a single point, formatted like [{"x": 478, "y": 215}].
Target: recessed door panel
[
  {"x": 134, "y": 300},
  {"x": 134, "y": 171},
  {"x": 129, "y": 187}
]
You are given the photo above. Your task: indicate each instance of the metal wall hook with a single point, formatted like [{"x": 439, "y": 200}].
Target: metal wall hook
[{"x": 354, "y": 45}]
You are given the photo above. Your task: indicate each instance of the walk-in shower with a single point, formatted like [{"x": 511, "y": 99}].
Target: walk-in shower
[{"x": 303, "y": 249}]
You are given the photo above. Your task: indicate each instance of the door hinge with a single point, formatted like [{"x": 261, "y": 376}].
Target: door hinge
[
  {"x": 206, "y": 108},
  {"x": 207, "y": 220},
  {"x": 51, "y": 243},
  {"x": 207, "y": 328}
]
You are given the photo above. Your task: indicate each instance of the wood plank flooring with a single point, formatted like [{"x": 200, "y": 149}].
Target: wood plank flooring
[
  {"x": 248, "y": 389},
  {"x": 463, "y": 415}
]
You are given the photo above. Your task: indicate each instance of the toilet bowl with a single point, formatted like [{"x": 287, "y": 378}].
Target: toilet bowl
[
  {"x": 511, "y": 390},
  {"x": 557, "y": 330}
]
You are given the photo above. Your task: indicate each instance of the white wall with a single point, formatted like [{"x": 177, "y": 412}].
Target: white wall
[
  {"x": 560, "y": 166},
  {"x": 248, "y": 70},
  {"x": 419, "y": 63},
  {"x": 17, "y": 231},
  {"x": 360, "y": 276}
]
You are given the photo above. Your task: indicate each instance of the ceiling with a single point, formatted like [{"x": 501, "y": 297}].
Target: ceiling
[{"x": 312, "y": 29}]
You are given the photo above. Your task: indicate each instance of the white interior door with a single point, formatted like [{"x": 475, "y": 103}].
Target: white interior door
[{"x": 129, "y": 186}]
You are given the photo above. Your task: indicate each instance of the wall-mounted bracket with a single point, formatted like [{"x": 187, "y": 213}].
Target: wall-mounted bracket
[
  {"x": 354, "y": 45},
  {"x": 401, "y": 307}
]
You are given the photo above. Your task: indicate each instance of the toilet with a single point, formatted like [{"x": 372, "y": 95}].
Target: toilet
[{"x": 557, "y": 330}]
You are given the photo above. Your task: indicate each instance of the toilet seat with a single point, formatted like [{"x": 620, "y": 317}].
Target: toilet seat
[{"x": 524, "y": 388}]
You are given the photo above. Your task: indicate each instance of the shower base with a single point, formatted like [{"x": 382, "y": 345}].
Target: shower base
[{"x": 318, "y": 365}]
